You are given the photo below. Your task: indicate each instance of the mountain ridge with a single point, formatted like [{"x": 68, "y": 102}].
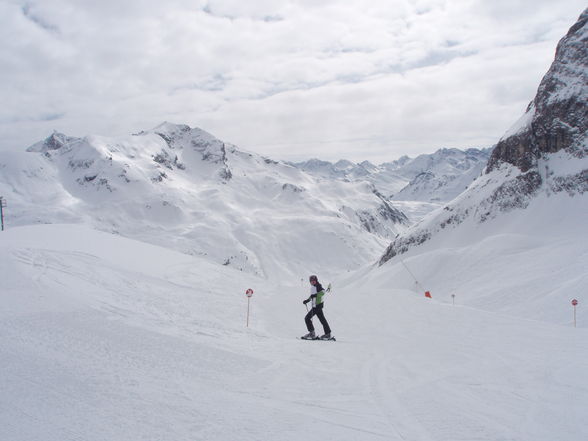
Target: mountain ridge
[{"x": 183, "y": 188}]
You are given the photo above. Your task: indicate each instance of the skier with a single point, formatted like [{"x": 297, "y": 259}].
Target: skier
[{"x": 316, "y": 296}]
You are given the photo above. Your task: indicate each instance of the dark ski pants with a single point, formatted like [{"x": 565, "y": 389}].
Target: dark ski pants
[{"x": 318, "y": 311}]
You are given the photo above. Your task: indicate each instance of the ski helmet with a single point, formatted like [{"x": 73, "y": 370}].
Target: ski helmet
[{"x": 313, "y": 277}]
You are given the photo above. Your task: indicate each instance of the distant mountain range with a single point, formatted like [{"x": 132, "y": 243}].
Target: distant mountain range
[{"x": 436, "y": 177}]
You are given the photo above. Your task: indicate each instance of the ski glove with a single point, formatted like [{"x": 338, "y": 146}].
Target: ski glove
[{"x": 306, "y": 301}]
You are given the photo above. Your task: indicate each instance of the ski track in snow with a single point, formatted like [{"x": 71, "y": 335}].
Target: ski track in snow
[{"x": 107, "y": 338}]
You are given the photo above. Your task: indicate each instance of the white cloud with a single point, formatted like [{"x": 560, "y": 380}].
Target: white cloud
[{"x": 287, "y": 78}]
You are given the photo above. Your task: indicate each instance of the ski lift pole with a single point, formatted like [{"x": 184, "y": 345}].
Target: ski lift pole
[
  {"x": 413, "y": 276},
  {"x": 2, "y": 205}
]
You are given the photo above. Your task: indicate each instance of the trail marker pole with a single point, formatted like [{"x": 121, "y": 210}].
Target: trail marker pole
[
  {"x": 2, "y": 205},
  {"x": 574, "y": 304},
  {"x": 248, "y": 293}
]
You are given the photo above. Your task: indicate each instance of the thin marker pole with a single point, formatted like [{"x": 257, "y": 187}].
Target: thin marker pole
[
  {"x": 2, "y": 205},
  {"x": 574, "y": 304}
]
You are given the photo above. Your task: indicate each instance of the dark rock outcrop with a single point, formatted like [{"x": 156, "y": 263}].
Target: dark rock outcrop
[{"x": 557, "y": 119}]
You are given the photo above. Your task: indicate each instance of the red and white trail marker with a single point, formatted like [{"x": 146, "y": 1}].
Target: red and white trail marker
[
  {"x": 249, "y": 294},
  {"x": 574, "y": 304}
]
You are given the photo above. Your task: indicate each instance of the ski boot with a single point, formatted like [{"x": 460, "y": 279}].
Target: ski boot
[
  {"x": 310, "y": 336},
  {"x": 327, "y": 336}
]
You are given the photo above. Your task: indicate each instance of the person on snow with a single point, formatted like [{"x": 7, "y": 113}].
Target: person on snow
[{"x": 316, "y": 296}]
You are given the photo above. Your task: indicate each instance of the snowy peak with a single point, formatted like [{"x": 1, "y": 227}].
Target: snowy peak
[
  {"x": 556, "y": 119},
  {"x": 182, "y": 137},
  {"x": 369, "y": 167},
  {"x": 344, "y": 165},
  {"x": 325, "y": 169},
  {"x": 445, "y": 162},
  {"x": 195, "y": 145},
  {"x": 53, "y": 142}
]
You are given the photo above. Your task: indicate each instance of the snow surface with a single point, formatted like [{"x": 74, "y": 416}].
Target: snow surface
[
  {"x": 522, "y": 124},
  {"x": 106, "y": 338}
]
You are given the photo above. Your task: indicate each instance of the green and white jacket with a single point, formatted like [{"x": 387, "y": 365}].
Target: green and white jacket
[{"x": 316, "y": 294}]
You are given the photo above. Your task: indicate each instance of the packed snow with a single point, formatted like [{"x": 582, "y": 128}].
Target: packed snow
[{"x": 103, "y": 337}]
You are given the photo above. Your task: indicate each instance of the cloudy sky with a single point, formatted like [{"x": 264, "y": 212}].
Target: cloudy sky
[{"x": 290, "y": 79}]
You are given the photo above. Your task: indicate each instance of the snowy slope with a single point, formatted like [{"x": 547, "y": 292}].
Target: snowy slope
[
  {"x": 504, "y": 239},
  {"x": 182, "y": 188},
  {"x": 102, "y": 337},
  {"x": 528, "y": 264}
]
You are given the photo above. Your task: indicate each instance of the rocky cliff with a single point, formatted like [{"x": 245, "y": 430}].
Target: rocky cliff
[
  {"x": 557, "y": 119},
  {"x": 543, "y": 156}
]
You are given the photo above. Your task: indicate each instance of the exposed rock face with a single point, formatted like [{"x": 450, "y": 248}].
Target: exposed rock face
[
  {"x": 557, "y": 118},
  {"x": 192, "y": 140},
  {"x": 388, "y": 212},
  {"x": 544, "y": 153},
  {"x": 53, "y": 142}
]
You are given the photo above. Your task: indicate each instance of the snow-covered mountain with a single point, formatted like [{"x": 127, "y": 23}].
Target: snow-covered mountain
[
  {"x": 182, "y": 188},
  {"x": 441, "y": 176},
  {"x": 425, "y": 182},
  {"x": 395, "y": 178},
  {"x": 533, "y": 197}
]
